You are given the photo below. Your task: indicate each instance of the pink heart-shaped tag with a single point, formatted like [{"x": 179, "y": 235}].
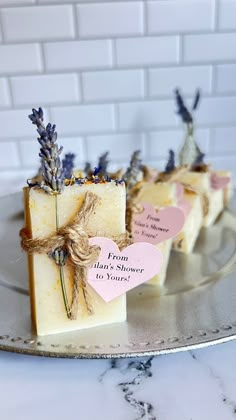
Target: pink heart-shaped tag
[
  {"x": 116, "y": 272},
  {"x": 157, "y": 226},
  {"x": 219, "y": 182}
]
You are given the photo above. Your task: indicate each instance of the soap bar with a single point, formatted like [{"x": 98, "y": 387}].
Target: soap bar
[
  {"x": 229, "y": 189},
  {"x": 202, "y": 182},
  {"x": 108, "y": 219},
  {"x": 186, "y": 239},
  {"x": 161, "y": 194}
]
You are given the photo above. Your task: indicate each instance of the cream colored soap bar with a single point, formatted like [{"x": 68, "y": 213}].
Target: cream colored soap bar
[
  {"x": 186, "y": 239},
  {"x": 201, "y": 181},
  {"x": 47, "y": 305},
  {"x": 159, "y": 195},
  {"x": 229, "y": 189}
]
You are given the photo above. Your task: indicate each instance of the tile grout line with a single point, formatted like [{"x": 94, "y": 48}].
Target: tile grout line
[
  {"x": 125, "y": 36},
  {"x": 216, "y": 16},
  {"x": 144, "y": 17},
  {"x": 81, "y": 87},
  {"x": 113, "y": 54},
  {"x": 10, "y": 90},
  {"x": 132, "y": 100},
  {"x": 116, "y": 118},
  {"x": 2, "y": 31},
  {"x": 139, "y": 66},
  {"x": 75, "y": 14},
  {"x": 42, "y": 59}
]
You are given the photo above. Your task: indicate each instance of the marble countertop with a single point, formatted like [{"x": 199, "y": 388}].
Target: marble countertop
[{"x": 193, "y": 385}]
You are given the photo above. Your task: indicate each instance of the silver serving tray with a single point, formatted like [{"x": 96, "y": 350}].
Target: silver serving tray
[{"x": 196, "y": 309}]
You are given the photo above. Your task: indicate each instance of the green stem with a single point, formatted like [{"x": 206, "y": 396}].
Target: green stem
[
  {"x": 64, "y": 294},
  {"x": 62, "y": 279},
  {"x": 57, "y": 218}
]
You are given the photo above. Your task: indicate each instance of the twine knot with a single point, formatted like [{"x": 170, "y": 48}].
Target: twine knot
[{"x": 71, "y": 243}]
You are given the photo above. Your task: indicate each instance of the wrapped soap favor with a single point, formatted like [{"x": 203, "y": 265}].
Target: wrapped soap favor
[
  {"x": 200, "y": 177},
  {"x": 189, "y": 200},
  {"x": 60, "y": 216},
  {"x": 153, "y": 215}
]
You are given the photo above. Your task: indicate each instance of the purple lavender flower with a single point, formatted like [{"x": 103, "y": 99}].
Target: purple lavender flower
[
  {"x": 200, "y": 159},
  {"x": 87, "y": 168},
  {"x": 170, "y": 166},
  {"x": 96, "y": 171},
  {"x": 103, "y": 164},
  {"x": 53, "y": 179},
  {"x": 68, "y": 165},
  {"x": 182, "y": 110},
  {"x": 132, "y": 175}
]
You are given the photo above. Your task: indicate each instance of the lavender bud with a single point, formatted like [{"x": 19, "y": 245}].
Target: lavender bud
[{"x": 49, "y": 154}]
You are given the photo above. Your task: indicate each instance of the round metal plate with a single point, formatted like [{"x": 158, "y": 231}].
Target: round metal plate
[{"x": 197, "y": 308}]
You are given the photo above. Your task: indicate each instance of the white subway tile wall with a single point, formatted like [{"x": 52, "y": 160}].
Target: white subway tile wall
[
  {"x": 110, "y": 19},
  {"x": 180, "y": 16},
  {"x": 105, "y": 73},
  {"x": 113, "y": 84},
  {"x": 37, "y": 23},
  {"x": 76, "y": 55}
]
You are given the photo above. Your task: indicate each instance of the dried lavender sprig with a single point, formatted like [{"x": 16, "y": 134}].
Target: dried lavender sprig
[
  {"x": 170, "y": 166},
  {"x": 200, "y": 159},
  {"x": 53, "y": 179},
  {"x": 182, "y": 110},
  {"x": 103, "y": 164},
  {"x": 96, "y": 171},
  {"x": 196, "y": 100},
  {"x": 87, "y": 168},
  {"x": 131, "y": 176},
  {"x": 68, "y": 165}
]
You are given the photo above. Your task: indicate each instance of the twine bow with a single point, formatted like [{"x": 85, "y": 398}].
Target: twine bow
[{"x": 73, "y": 240}]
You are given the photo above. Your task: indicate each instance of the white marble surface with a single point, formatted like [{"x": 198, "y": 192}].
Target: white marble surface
[{"x": 196, "y": 385}]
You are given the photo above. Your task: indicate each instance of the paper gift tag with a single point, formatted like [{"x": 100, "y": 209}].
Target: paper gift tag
[
  {"x": 117, "y": 271},
  {"x": 157, "y": 226},
  {"x": 219, "y": 182}
]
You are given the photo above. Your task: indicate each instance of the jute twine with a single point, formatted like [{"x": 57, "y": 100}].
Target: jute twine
[{"x": 74, "y": 239}]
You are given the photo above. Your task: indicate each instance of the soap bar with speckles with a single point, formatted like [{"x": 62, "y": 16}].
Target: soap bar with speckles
[
  {"x": 108, "y": 219},
  {"x": 202, "y": 182}
]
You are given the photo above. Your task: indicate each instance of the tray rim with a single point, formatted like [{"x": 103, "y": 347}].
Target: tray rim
[
  {"x": 117, "y": 355},
  {"x": 6, "y": 341}
]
